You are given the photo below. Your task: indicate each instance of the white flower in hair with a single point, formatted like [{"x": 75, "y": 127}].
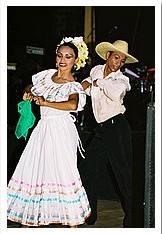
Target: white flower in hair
[
  {"x": 67, "y": 39},
  {"x": 78, "y": 39},
  {"x": 82, "y": 50}
]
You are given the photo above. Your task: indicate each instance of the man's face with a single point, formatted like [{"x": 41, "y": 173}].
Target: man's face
[{"x": 115, "y": 60}]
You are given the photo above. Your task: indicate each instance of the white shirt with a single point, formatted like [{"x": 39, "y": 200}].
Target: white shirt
[{"x": 107, "y": 98}]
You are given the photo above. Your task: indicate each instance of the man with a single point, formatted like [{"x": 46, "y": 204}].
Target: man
[{"x": 112, "y": 143}]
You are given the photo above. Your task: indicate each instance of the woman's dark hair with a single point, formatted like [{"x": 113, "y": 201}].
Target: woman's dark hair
[{"x": 71, "y": 45}]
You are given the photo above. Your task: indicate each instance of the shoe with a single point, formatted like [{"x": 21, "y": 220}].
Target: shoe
[{"x": 91, "y": 219}]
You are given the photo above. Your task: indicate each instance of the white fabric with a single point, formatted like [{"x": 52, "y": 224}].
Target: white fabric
[
  {"x": 46, "y": 186},
  {"x": 107, "y": 98}
]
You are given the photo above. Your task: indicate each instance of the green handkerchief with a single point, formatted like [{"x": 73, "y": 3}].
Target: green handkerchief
[{"x": 26, "y": 119}]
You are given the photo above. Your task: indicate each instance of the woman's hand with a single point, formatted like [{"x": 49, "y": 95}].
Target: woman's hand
[
  {"x": 28, "y": 88},
  {"x": 27, "y": 93},
  {"x": 70, "y": 104},
  {"x": 39, "y": 100},
  {"x": 27, "y": 96}
]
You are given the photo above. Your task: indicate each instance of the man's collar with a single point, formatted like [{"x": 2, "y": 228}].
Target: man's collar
[{"x": 112, "y": 74}]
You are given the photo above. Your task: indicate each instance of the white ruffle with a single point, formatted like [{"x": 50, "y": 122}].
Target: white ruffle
[{"x": 44, "y": 86}]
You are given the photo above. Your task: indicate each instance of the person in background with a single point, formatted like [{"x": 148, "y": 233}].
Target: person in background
[
  {"x": 46, "y": 187},
  {"x": 112, "y": 143}
]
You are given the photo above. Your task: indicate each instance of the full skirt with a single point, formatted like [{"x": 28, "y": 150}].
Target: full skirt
[{"x": 46, "y": 186}]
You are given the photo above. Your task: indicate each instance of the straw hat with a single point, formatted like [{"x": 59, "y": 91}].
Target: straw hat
[{"x": 118, "y": 46}]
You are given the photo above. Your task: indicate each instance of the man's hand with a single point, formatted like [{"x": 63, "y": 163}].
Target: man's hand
[
  {"x": 95, "y": 83},
  {"x": 85, "y": 84}
]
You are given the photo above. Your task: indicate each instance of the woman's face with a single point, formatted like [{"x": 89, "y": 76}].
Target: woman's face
[{"x": 65, "y": 58}]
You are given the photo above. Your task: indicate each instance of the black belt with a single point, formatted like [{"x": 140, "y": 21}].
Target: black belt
[{"x": 111, "y": 120}]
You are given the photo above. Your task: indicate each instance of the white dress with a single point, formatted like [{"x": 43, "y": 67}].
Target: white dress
[{"x": 46, "y": 186}]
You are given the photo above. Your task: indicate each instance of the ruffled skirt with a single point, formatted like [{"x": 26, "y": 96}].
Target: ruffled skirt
[{"x": 46, "y": 186}]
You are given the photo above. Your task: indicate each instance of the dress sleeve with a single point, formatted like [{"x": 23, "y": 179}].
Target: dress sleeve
[
  {"x": 38, "y": 77},
  {"x": 41, "y": 83},
  {"x": 76, "y": 87}
]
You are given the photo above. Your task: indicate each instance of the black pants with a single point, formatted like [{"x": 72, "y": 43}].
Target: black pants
[{"x": 112, "y": 144}]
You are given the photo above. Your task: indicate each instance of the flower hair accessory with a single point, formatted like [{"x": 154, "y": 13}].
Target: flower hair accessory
[{"x": 82, "y": 50}]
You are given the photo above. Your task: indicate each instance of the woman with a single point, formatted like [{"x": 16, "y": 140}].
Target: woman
[{"x": 46, "y": 187}]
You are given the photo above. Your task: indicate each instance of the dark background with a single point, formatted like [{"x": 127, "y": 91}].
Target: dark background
[{"x": 44, "y": 27}]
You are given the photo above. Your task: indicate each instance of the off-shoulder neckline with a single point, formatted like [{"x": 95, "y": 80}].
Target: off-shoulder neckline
[{"x": 60, "y": 83}]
